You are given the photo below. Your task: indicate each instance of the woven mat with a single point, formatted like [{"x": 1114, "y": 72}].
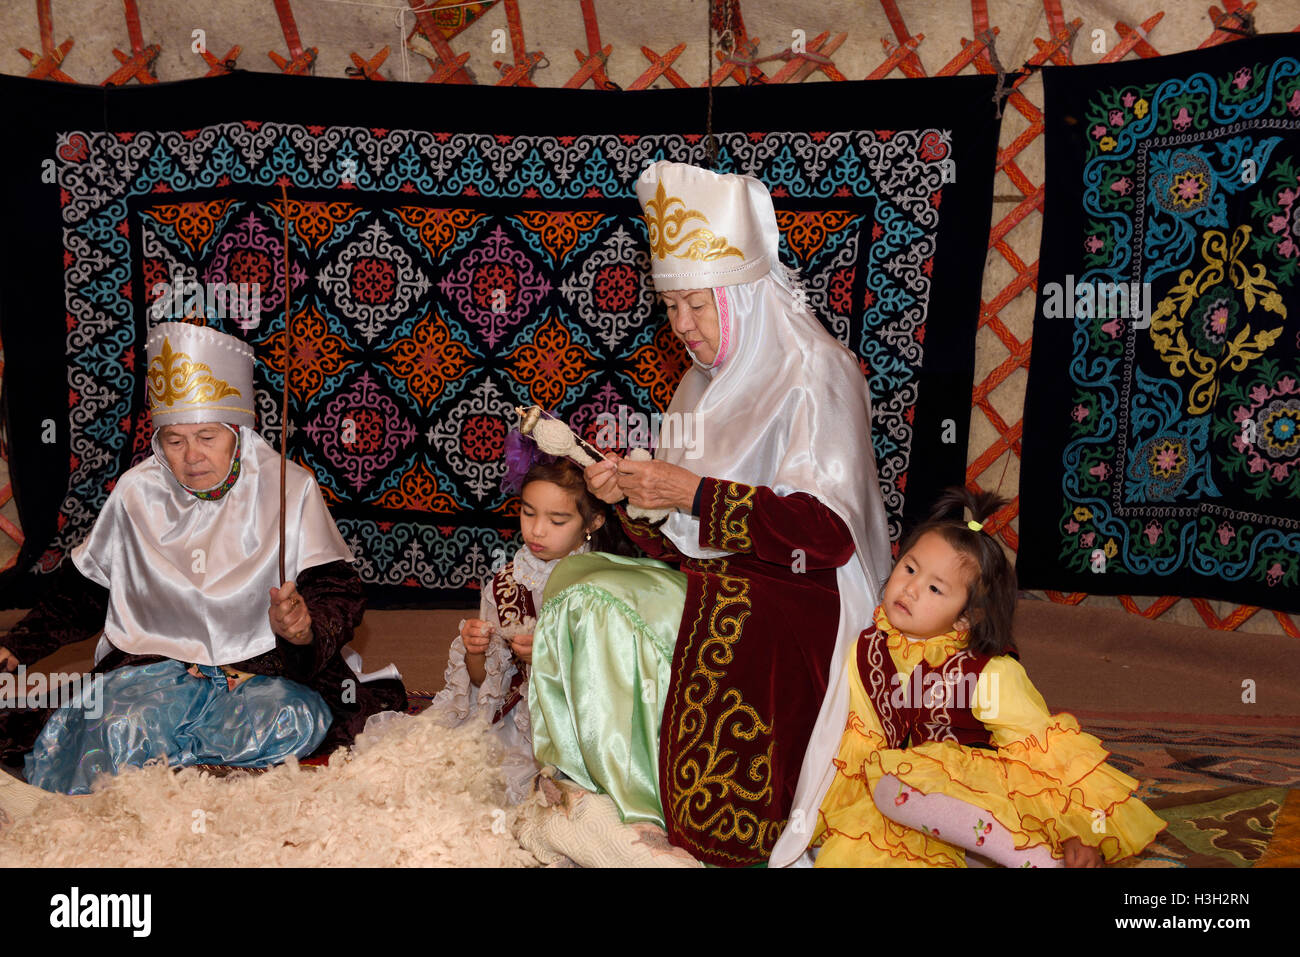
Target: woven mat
[
  {"x": 1225, "y": 827},
  {"x": 1284, "y": 849},
  {"x": 1173, "y": 759}
]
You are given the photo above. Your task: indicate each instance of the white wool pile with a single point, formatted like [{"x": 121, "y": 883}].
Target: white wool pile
[{"x": 410, "y": 793}]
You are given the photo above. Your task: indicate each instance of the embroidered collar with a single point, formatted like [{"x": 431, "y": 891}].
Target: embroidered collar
[
  {"x": 531, "y": 572},
  {"x": 218, "y": 491},
  {"x": 904, "y": 650}
]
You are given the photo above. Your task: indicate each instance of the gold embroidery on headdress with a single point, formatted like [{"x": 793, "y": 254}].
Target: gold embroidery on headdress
[
  {"x": 175, "y": 377},
  {"x": 665, "y": 231}
]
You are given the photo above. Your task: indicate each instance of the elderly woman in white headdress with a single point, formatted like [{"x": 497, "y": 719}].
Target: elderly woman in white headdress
[
  {"x": 205, "y": 657},
  {"x": 706, "y": 698}
]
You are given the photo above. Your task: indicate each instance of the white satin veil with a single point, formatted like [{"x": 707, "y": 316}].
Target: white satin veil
[
  {"x": 789, "y": 409},
  {"x": 189, "y": 578}
]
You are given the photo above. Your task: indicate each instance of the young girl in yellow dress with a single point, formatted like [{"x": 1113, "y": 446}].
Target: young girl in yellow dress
[{"x": 949, "y": 748}]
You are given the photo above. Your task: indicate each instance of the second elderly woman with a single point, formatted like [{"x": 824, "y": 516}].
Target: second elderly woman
[{"x": 704, "y": 698}]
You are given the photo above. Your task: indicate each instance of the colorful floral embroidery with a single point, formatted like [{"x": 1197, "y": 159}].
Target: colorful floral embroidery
[{"x": 1176, "y": 445}]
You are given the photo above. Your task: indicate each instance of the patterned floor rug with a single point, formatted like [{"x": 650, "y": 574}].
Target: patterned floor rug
[
  {"x": 1284, "y": 849},
  {"x": 1172, "y": 759},
  {"x": 1226, "y": 827}
]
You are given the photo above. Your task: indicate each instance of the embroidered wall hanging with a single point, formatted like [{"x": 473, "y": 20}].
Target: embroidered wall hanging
[
  {"x": 441, "y": 276},
  {"x": 1162, "y": 418}
]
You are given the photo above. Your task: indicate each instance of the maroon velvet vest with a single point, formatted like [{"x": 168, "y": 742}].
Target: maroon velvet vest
[
  {"x": 933, "y": 704},
  {"x": 514, "y": 604}
]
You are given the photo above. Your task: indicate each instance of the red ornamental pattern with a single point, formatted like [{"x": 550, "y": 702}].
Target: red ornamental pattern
[
  {"x": 617, "y": 288},
  {"x": 495, "y": 286},
  {"x": 315, "y": 223},
  {"x": 484, "y": 438},
  {"x": 558, "y": 232},
  {"x": 659, "y": 365},
  {"x": 195, "y": 223},
  {"x": 932, "y": 148},
  {"x": 840, "y": 295},
  {"x": 251, "y": 266},
  {"x": 374, "y": 281},
  {"x": 76, "y": 150},
  {"x": 361, "y": 431},
  {"x": 417, "y": 490},
  {"x": 429, "y": 359},
  {"x": 318, "y": 354},
  {"x": 438, "y": 229},
  {"x": 154, "y": 272},
  {"x": 369, "y": 431},
  {"x": 806, "y": 232},
  {"x": 550, "y": 364},
  {"x": 249, "y": 251}
]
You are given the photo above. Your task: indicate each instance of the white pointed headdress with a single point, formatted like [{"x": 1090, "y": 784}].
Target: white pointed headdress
[
  {"x": 197, "y": 374},
  {"x": 706, "y": 229}
]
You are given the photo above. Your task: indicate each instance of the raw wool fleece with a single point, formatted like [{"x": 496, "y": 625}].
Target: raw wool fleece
[{"x": 410, "y": 793}]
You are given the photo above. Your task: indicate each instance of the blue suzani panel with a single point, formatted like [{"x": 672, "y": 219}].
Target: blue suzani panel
[{"x": 1162, "y": 422}]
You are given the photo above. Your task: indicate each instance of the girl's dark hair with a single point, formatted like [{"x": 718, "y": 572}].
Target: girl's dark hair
[
  {"x": 991, "y": 603},
  {"x": 609, "y": 537}
]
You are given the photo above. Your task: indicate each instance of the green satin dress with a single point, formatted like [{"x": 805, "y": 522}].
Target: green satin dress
[{"x": 602, "y": 659}]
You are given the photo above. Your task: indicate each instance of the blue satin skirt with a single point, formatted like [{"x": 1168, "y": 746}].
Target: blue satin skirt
[{"x": 161, "y": 710}]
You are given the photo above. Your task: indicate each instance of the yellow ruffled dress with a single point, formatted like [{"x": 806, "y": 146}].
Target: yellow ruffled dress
[{"x": 1046, "y": 782}]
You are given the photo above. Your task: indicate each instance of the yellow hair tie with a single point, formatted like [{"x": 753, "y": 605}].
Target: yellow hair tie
[{"x": 975, "y": 526}]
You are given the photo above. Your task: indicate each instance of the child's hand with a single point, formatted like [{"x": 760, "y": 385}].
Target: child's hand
[
  {"x": 476, "y": 634},
  {"x": 1078, "y": 854},
  {"x": 522, "y": 646}
]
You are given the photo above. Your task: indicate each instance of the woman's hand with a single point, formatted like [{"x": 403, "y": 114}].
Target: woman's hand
[
  {"x": 602, "y": 480},
  {"x": 476, "y": 634},
  {"x": 657, "y": 484},
  {"x": 522, "y": 646},
  {"x": 8, "y": 661},
  {"x": 289, "y": 618},
  {"x": 1078, "y": 854}
]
